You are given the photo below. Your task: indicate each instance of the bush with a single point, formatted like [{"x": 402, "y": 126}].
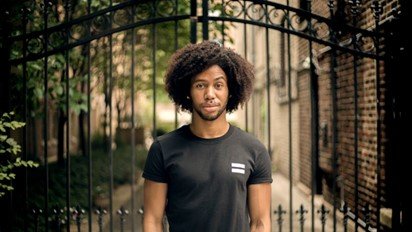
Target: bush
[
  {"x": 9, "y": 150},
  {"x": 122, "y": 174}
]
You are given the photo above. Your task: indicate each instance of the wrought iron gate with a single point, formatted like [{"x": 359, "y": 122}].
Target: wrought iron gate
[{"x": 75, "y": 64}]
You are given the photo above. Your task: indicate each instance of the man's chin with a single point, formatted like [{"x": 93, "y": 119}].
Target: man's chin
[{"x": 209, "y": 117}]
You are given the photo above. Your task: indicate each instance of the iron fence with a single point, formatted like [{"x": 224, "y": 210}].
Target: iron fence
[{"x": 44, "y": 40}]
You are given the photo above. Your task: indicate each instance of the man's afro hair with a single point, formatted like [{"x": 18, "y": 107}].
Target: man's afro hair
[{"x": 193, "y": 59}]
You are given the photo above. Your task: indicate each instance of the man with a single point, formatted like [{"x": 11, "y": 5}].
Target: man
[{"x": 208, "y": 176}]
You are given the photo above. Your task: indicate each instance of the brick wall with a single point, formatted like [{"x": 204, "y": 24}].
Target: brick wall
[
  {"x": 305, "y": 129},
  {"x": 367, "y": 156}
]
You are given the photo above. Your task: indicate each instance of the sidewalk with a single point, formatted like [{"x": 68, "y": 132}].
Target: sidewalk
[{"x": 280, "y": 195}]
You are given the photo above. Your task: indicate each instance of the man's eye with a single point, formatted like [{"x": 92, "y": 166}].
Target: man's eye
[
  {"x": 219, "y": 85},
  {"x": 199, "y": 86}
]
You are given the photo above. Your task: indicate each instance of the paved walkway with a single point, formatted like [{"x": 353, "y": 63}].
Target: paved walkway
[{"x": 280, "y": 196}]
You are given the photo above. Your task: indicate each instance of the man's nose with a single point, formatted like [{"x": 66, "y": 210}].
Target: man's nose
[{"x": 210, "y": 93}]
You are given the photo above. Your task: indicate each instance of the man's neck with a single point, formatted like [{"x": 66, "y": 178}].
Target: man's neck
[{"x": 209, "y": 129}]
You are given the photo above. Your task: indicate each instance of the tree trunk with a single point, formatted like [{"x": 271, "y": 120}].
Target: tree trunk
[
  {"x": 60, "y": 137},
  {"x": 82, "y": 115},
  {"x": 34, "y": 137},
  {"x": 4, "y": 66},
  {"x": 82, "y": 136}
]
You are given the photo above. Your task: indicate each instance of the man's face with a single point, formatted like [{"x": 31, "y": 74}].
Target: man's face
[{"x": 209, "y": 93}]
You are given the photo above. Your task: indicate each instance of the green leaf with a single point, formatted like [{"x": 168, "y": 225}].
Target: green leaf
[
  {"x": 11, "y": 142},
  {"x": 7, "y": 125},
  {"x": 38, "y": 93},
  {"x": 17, "y": 124},
  {"x": 36, "y": 66},
  {"x": 58, "y": 90}
]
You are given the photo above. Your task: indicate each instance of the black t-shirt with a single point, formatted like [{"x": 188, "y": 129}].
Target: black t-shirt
[{"x": 208, "y": 178}]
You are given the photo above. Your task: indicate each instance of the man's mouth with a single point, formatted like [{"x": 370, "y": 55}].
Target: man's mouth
[{"x": 210, "y": 107}]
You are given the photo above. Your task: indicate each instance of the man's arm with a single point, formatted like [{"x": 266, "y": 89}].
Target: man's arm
[
  {"x": 259, "y": 207},
  {"x": 155, "y": 194}
]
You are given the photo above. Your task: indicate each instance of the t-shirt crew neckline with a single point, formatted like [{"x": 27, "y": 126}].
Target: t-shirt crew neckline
[{"x": 195, "y": 138}]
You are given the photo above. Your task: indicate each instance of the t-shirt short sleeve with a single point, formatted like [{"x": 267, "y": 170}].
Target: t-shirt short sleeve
[
  {"x": 262, "y": 171},
  {"x": 154, "y": 168}
]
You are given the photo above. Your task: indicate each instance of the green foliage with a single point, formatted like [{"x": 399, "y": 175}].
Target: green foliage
[
  {"x": 9, "y": 150},
  {"x": 122, "y": 174}
]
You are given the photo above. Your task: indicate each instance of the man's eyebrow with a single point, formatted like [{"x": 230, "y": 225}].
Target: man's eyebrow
[
  {"x": 199, "y": 80},
  {"x": 220, "y": 77}
]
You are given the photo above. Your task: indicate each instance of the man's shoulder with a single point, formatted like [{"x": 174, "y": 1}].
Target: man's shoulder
[
  {"x": 172, "y": 135},
  {"x": 244, "y": 134},
  {"x": 247, "y": 138}
]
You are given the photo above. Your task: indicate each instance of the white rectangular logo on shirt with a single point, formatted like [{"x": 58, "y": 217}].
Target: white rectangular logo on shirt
[{"x": 238, "y": 168}]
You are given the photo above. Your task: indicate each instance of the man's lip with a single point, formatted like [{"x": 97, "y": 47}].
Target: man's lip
[{"x": 210, "y": 107}]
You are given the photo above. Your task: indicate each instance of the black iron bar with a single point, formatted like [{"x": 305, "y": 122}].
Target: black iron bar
[
  {"x": 314, "y": 126},
  {"x": 193, "y": 21},
  {"x": 334, "y": 98},
  {"x": 24, "y": 11},
  {"x": 89, "y": 109},
  {"x": 133, "y": 127},
  {"x": 253, "y": 98},
  {"x": 111, "y": 84},
  {"x": 289, "y": 83},
  {"x": 377, "y": 10},
  {"x": 268, "y": 83},
  {"x": 355, "y": 11},
  {"x": 223, "y": 26},
  {"x": 205, "y": 21},
  {"x": 67, "y": 79},
  {"x": 45, "y": 118},
  {"x": 245, "y": 54},
  {"x": 154, "y": 48},
  {"x": 176, "y": 47}
]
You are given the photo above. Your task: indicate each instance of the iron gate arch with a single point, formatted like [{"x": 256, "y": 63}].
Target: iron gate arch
[{"x": 46, "y": 41}]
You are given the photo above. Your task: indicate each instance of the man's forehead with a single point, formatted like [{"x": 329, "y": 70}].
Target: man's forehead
[{"x": 212, "y": 73}]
